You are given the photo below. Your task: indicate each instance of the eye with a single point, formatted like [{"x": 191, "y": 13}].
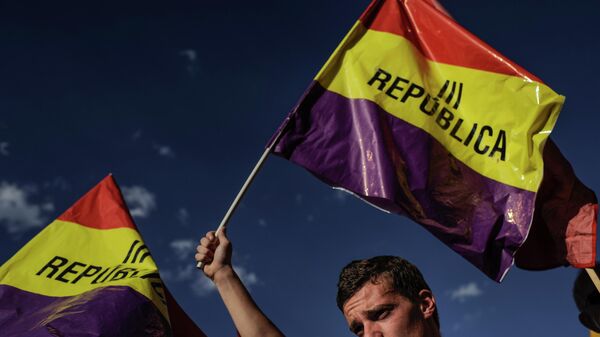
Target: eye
[
  {"x": 382, "y": 314},
  {"x": 379, "y": 314},
  {"x": 357, "y": 330}
]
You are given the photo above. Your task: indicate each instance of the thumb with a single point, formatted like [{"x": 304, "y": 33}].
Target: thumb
[
  {"x": 224, "y": 250},
  {"x": 223, "y": 234}
]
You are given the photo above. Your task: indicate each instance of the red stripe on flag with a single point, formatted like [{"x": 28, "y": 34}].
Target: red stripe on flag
[
  {"x": 181, "y": 324},
  {"x": 437, "y": 36},
  {"x": 102, "y": 207},
  {"x": 581, "y": 239}
]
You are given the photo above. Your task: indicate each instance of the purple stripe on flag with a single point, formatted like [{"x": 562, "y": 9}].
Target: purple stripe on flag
[
  {"x": 354, "y": 144},
  {"x": 107, "y": 312}
]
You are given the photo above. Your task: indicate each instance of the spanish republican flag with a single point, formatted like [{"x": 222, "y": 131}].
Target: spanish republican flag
[
  {"x": 89, "y": 273},
  {"x": 417, "y": 116}
]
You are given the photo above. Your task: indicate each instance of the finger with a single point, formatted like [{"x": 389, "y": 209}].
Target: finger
[
  {"x": 203, "y": 258},
  {"x": 205, "y": 242},
  {"x": 211, "y": 235},
  {"x": 205, "y": 251}
]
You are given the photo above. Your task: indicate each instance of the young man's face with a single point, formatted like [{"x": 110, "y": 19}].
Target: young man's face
[{"x": 377, "y": 311}]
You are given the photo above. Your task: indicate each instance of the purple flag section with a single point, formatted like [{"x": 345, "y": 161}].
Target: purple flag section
[
  {"x": 97, "y": 312},
  {"x": 355, "y": 145}
]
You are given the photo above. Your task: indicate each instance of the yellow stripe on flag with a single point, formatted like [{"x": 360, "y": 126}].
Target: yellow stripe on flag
[
  {"x": 92, "y": 258},
  {"x": 494, "y": 123}
]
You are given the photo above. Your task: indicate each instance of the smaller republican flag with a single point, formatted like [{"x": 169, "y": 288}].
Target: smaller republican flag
[{"x": 89, "y": 273}]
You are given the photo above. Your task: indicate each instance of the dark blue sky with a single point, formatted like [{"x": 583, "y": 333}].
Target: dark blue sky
[{"x": 177, "y": 100}]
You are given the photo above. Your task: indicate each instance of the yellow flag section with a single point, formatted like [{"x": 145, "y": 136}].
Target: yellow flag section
[
  {"x": 68, "y": 259},
  {"x": 493, "y": 122}
]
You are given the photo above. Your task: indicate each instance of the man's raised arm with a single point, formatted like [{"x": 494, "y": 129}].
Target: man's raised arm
[{"x": 215, "y": 253}]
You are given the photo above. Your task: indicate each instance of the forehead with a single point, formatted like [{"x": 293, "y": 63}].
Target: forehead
[{"x": 370, "y": 296}]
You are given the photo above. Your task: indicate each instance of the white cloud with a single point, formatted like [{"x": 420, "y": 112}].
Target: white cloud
[
  {"x": 472, "y": 316},
  {"x": 248, "y": 278},
  {"x": 164, "y": 151},
  {"x": 184, "y": 248},
  {"x": 192, "y": 57},
  {"x": 17, "y": 214},
  {"x": 202, "y": 286},
  {"x": 4, "y": 149},
  {"x": 180, "y": 273},
  {"x": 190, "y": 54},
  {"x": 47, "y": 206},
  {"x": 136, "y": 135},
  {"x": 140, "y": 201},
  {"x": 465, "y": 292},
  {"x": 183, "y": 216}
]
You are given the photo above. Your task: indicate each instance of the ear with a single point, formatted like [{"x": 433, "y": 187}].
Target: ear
[{"x": 427, "y": 304}]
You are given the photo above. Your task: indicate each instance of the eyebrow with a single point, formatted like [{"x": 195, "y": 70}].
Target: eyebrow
[
  {"x": 371, "y": 313},
  {"x": 376, "y": 310}
]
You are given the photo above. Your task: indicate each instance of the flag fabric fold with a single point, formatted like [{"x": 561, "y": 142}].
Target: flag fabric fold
[
  {"x": 89, "y": 273},
  {"x": 417, "y": 116},
  {"x": 563, "y": 231}
]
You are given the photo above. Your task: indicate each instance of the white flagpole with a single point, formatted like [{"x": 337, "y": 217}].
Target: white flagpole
[
  {"x": 594, "y": 277},
  {"x": 244, "y": 188}
]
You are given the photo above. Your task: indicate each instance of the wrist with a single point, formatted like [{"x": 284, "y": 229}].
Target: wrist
[{"x": 223, "y": 275}]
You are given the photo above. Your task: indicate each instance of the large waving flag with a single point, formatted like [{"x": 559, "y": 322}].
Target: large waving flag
[
  {"x": 417, "y": 116},
  {"x": 89, "y": 273}
]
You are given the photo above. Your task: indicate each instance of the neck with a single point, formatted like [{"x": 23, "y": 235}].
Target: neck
[{"x": 432, "y": 329}]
